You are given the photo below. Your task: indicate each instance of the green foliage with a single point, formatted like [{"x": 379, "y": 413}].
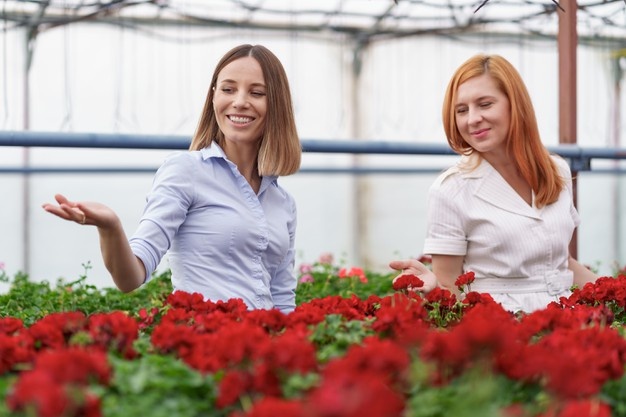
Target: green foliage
[
  {"x": 158, "y": 385},
  {"x": 614, "y": 393},
  {"x": 477, "y": 392},
  {"x": 31, "y": 301},
  {"x": 334, "y": 336},
  {"x": 5, "y": 385},
  {"x": 320, "y": 280}
]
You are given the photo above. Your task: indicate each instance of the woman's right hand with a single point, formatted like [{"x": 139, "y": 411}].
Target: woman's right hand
[
  {"x": 126, "y": 269},
  {"x": 84, "y": 212},
  {"x": 415, "y": 267}
]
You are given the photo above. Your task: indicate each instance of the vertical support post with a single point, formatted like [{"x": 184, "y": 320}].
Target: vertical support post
[
  {"x": 567, "y": 42},
  {"x": 360, "y": 185},
  {"x": 31, "y": 37}
]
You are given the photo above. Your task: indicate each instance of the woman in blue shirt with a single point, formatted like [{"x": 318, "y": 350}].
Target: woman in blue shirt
[{"x": 218, "y": 209}]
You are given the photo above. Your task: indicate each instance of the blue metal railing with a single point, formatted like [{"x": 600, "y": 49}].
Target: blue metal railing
[{"x": 580, "y": 158}]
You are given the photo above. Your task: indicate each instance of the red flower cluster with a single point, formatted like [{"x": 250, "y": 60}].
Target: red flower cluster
[
  {"x": 464, "y": 280},
  {"x": 605, "y": 290},
  {"x": 353, "y": 272},
  {"x": 407, "y": 282},
  {"x": 58, "y": 383},
  {"x": 568, "y": 349},
  {"x": 60, "y": 370}
]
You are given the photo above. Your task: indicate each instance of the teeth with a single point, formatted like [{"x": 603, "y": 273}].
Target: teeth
[{"x": 239, "y": 119}]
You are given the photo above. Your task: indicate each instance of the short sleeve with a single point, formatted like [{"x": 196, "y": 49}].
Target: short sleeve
[{"x": 445, "y": 229}]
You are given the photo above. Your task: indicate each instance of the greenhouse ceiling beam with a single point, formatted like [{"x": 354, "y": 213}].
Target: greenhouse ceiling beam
[{"x": 373, "y": 33}]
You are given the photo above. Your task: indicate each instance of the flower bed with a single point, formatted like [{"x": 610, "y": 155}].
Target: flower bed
[{"x": 354, "y": 346}]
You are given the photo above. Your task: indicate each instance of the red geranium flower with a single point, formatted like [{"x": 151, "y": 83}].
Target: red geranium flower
[
  {"x": 464, "y": 280},
  {"x": 407, "y": 282},
  {"x": 353, "y": 272},
  {"x": 272, "y": 407}
]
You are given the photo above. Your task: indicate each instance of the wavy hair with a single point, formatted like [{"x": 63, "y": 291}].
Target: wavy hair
[
  {"x": 280, "y": 150},
  {"x": 523, "y": 144}
]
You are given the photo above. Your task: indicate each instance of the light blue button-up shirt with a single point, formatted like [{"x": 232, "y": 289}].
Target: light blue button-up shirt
[{"x": 224, "y": 241}]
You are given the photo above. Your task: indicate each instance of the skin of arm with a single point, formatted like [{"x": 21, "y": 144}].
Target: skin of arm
[
  {"x": 126, "y": 269},
  {"x": 582, "y": 274},
  {"x": 447, "y": 269}
]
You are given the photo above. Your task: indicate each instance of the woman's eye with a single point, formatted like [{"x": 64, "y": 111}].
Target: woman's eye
[
  {"x": 486, "y": 104},
  {"x": 227, "y": 90},
  {"x": 258, "y": 93},
  {"x": 461, "y": 110}
]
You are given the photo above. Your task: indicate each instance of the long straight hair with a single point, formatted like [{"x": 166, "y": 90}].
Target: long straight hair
[
  {"x": 523, "y": 144},
  {"x": 280, "y": 150}
]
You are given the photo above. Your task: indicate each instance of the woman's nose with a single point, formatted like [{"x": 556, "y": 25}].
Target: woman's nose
[
  {"x": 240, "y": 100},
  {"x": 474, "y": 116}
]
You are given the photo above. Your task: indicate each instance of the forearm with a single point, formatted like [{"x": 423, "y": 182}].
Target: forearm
[
  {"x": 447, "y": 268},
  {"x": 126, "y": 269},
  {"x": 582, "y": 274}
]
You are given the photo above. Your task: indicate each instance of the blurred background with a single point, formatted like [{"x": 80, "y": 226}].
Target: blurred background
[{"x": 361, "y": 70}]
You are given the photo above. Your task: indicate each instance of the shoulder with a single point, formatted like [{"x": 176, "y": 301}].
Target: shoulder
[
  {"x": 562, "y": 165},
  {"x": 447, "y": 187},
  {"x": 183, "y": 162},
  {"x": 279, "y": 195},
  {"x": 451, "y": 181},
  {"x": 178, "y": 169},
  {"x": 283, "y": 192},
  {"x": 183, "y": 157}
]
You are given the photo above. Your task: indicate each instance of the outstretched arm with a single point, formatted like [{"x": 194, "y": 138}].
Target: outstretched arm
[{"x": 127, "y": 270}]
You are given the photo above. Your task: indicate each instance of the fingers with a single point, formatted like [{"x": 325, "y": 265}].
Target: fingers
[
  {"x": 406, "y": 264},
  {"x": 61, "y": 199},
  {"x": 66, "y": 209},
  {"x": 398, "y": 265}
]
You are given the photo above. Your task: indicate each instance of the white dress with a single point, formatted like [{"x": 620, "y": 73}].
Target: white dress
[{"x": 518, "y": 253}]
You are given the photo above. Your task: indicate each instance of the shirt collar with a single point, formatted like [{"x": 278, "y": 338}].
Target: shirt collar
[
  {"x": 213, "y": 151},
  {"x": 474, "y": 166}
]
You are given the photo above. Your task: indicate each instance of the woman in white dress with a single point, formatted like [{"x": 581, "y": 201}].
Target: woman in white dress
[{"x": 505, "y": 211}]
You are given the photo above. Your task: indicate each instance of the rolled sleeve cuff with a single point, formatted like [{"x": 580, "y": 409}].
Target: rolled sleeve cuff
[
  {"x": 445, "y": 247},
  {"x": 147, "y": 257}
]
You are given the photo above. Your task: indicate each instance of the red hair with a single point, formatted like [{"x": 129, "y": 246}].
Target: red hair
[{"x": 524, "y": 145}]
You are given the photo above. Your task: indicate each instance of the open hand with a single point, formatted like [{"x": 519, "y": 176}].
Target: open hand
[
  {"x": 415, "y": 267},
  {"x": 82, "y": 212}
]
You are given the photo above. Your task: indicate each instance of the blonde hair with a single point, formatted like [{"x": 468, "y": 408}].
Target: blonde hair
[
  {"x": 280, "y": 151},
  {"x": 524, "y": 145}
]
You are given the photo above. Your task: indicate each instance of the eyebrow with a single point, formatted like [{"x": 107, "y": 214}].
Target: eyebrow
[
  {"x": 479, "y": 99},
  {"x": 235, "y": 82}
]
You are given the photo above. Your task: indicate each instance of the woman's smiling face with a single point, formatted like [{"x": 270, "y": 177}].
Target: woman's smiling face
[
  {"x": 240, "y": 101},
  {"x": 483, "y": 114}
]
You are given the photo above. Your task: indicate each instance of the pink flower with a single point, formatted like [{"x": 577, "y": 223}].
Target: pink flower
[
  {"x": 306, "y": 278},
  {"x": 304, "y": 268},
  {"x": 326, "y": 258}
]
